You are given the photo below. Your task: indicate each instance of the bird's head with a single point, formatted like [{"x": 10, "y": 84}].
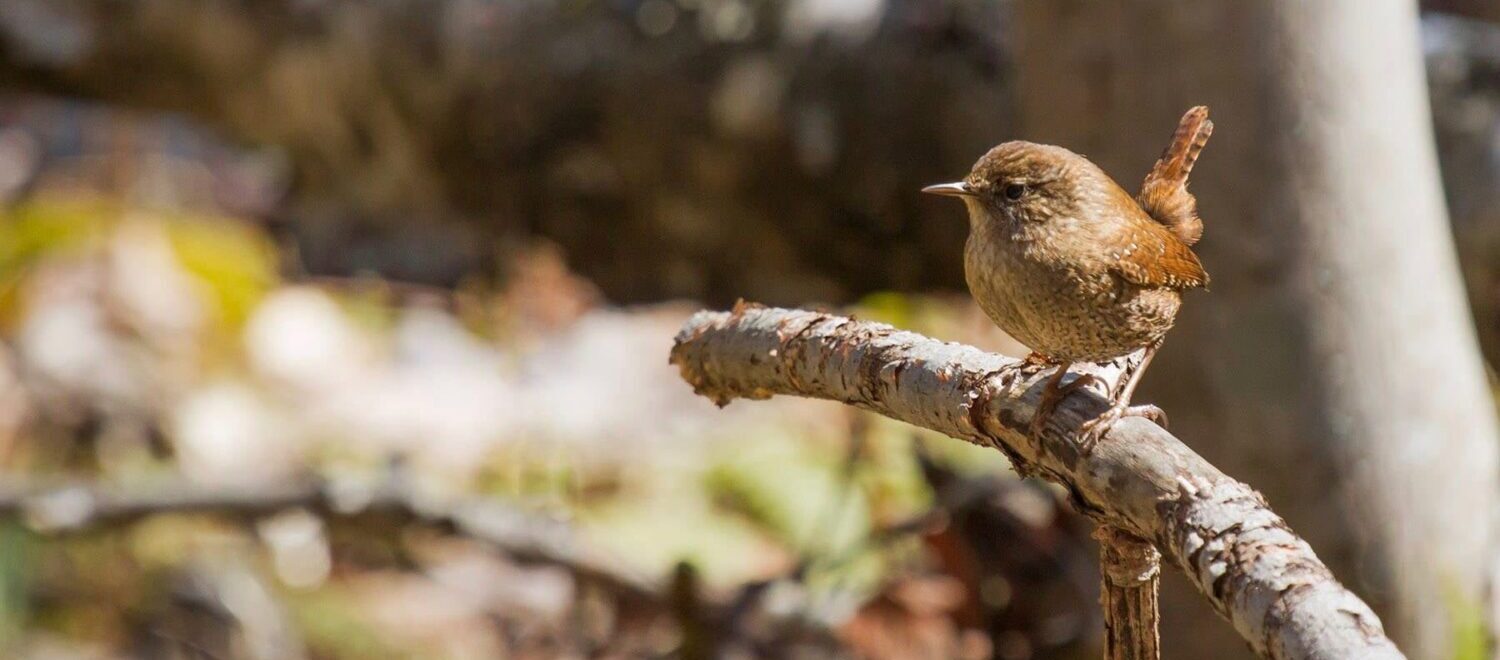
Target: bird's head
[{"x": 1020, "y": 183}]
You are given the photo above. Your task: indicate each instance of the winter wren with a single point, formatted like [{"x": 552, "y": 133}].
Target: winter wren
[{"x": 1064, "y": 260}]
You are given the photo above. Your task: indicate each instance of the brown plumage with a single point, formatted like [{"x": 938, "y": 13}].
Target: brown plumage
[
  {"x": 1164, "y": 194},
  {"x": 1068, "y": 263}
]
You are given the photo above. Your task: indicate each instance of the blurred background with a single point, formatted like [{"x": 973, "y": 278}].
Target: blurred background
[{"x": 339, "y": 329}]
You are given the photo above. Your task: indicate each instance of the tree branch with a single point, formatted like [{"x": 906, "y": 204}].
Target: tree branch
[
  {"x": 1140, "y": 479},
  {"x": 78, "y": 508},
  {"x": 525, "y": 537},
  {"x": 1129, "y": 572}
]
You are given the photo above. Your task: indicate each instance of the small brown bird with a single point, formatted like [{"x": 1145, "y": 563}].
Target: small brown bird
[{"x": 1065, "y": 261}]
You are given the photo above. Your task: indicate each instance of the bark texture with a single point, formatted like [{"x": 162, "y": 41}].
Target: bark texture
[
  {"x": 1140, "y": 479},
  {"x": 1337, "y": 338},
  {"x": 1130, "y": 571}
]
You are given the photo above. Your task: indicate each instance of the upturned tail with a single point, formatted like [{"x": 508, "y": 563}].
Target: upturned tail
[{"x": 1164, "y": 194}]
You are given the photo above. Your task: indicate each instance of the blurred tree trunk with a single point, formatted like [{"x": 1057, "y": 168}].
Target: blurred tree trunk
[
  {"x": 1487, "y": 10},
  {"x": 1333, "y": 268}
]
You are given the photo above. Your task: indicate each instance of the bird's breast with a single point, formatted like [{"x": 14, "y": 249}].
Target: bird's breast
[{"x": 1047, "y": 298}]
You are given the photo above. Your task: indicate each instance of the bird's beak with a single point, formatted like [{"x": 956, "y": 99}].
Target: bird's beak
[{"x": 956, "y": 189}]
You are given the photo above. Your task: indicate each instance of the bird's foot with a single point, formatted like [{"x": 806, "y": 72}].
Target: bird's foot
[
  {"x": 1094, "y": 430},
  {"x": 1054, "y": 395}
]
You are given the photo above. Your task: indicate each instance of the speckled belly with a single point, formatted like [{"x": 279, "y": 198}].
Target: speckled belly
[{"x": 1067, "y": 316}]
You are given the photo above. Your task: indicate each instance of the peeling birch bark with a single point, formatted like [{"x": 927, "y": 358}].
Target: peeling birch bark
[{"x": 1257, "y": 574}]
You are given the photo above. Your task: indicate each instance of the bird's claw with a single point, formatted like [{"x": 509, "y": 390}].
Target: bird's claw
[
  {"x": 1149, "y": 411},
  {"x": 1039, "y": 420},
  {"x": 1051, "y": 397},
  {"x": 1094, "y": 430}
]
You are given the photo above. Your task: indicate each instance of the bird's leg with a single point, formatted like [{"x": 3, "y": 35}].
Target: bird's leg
[
  {"x": 1093, "y": 430},
  {"x": 1053, "y": 393},
  {"x": 1147, "y": 410}
]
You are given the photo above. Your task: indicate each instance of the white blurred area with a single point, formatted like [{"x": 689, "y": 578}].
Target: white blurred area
[{"x": 115, "y": 331}]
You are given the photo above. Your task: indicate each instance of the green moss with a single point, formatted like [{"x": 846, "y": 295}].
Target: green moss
[
  {"x": 329, "y": 624},
  {"x": 46, "y": 227},
  {"x": 235, "y": 262},
  {"x": 17, "y": 548},
  {"x": 40, "y": 228},
  {"x": 1471, "y": 639}
]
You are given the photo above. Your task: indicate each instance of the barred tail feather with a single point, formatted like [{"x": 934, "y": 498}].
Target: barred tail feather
[{"x": 1164, "y": 194}]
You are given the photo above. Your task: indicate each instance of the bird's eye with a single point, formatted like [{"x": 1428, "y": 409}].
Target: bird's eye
[{"x": 1015, "y": 191}]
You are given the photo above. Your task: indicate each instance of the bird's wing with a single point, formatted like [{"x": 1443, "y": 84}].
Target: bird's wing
[
  {"x": 1164, "y": 194},
  {"x": 1149, "y": 255}
]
